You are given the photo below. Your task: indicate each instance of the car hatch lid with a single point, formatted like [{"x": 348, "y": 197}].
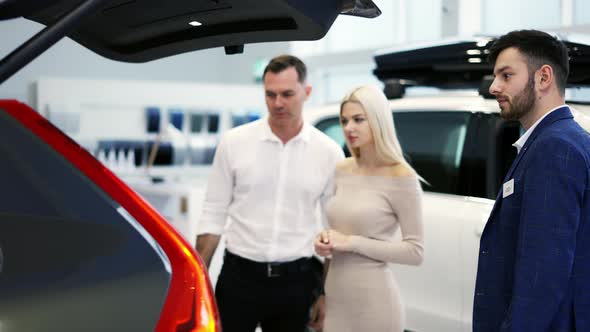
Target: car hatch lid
[{"x": 144, "y": 30}]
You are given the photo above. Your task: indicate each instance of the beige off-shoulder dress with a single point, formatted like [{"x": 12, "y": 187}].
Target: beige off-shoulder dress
[{"x": 361, "y": 291}]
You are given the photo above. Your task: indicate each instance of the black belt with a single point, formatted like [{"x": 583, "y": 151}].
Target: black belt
[{"x": 269, "y": 269}]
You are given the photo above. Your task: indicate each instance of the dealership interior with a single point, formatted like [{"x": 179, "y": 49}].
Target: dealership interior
[{"x": 156, "y": 124}]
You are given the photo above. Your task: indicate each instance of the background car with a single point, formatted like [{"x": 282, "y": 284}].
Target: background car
[
  {"x": 79, "y": 249},
  {"x": 457, "y": 141}
]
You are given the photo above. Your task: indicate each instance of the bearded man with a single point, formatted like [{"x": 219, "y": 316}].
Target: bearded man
[{"x": 534, "y": 260}]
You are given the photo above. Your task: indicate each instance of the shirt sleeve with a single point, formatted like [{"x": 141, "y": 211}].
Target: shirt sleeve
[
  {"x": 407, "y": 251},
  {"x": 330, "y": 188},
  {"x": 219, "y": 192},
  {"x": 328, "y": 192}
]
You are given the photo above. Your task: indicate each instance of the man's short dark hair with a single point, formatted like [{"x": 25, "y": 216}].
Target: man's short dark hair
[
  {"x": 539, "y": 48},
  {"x": 282, "y": 62}
]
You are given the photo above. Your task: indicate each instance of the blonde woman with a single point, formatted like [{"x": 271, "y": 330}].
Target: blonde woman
[{"x": 376, "y": 192}]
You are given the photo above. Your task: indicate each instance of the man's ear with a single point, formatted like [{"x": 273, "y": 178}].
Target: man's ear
[
  {"x": 307, "y": 91},
  {"x": 546, "y": 77}
]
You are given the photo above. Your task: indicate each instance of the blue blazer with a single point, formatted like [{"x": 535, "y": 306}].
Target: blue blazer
[{"x": 533, "y": 273}]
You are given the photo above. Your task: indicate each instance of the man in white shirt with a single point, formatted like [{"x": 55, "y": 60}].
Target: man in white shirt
[{"x": 267, "y": 180}]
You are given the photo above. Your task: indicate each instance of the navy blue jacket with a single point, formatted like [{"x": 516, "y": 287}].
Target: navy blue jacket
[{"x": 533, "y": 272}]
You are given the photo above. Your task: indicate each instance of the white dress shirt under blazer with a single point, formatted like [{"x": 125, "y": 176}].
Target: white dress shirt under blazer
[
  {"x": 268, "y": 192},
  {"x": 522, "y": 140}
]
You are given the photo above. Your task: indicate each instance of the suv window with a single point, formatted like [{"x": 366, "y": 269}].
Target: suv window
[
  {"x": 331, "y": 127},
  {"x": 432, "y": 141}
]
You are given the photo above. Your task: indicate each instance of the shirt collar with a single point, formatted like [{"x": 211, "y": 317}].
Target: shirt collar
[
  {"x": 522, "y": 140},
  {"x": 267, "y": 135}
]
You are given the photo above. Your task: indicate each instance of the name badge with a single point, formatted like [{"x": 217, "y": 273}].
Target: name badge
[{"x": 508, "y": 188}]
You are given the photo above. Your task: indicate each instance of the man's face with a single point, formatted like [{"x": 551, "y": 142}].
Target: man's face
[
  {"x": 513, "y": 86},
  {"x": 285, "y": 96}
]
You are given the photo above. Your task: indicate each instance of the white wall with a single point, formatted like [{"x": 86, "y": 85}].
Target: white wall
[
  {"x": 501, "y": 16},
  {"x": 581, "y": 11}
]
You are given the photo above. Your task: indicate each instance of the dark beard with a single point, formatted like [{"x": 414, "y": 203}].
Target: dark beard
[{"x": 522, "y": 103}]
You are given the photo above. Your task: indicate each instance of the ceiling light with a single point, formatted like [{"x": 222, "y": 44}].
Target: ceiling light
[
  {"x": 195, "y": 23},
  {"x": 482, "y": 42}
]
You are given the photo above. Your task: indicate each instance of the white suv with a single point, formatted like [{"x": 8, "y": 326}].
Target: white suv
[{"x": 459, "y": 144}]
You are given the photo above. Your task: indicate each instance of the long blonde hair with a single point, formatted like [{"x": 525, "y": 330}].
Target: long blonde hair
[{"x": 380, "y": 118}]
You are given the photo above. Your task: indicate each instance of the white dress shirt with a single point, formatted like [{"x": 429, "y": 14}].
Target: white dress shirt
[
  {"x": 268, "y": 192},
  {"x": 522, "y": 140}
]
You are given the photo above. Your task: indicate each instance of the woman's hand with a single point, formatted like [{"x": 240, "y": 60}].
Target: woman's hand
[
  {"x": 339, "y": 241},
  {"x": 322, "y": 244},
  {"x": 329, "y": 240}
]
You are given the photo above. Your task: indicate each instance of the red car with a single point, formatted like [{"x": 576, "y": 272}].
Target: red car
[{"x": 79, "y": 250}]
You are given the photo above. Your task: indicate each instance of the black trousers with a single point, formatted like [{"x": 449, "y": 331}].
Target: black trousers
[{"x": 278, "y": 297}]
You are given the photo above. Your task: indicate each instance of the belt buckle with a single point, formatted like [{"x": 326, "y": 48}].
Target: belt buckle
[{"x": 270, "y": 272}]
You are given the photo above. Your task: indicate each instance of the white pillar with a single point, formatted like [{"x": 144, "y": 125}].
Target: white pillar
[
  {"x": 567, "y": 13},
  {"x": 470, "y": 17}
]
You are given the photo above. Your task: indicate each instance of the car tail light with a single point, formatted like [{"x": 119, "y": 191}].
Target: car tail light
[{"x": 190, "y": 305}]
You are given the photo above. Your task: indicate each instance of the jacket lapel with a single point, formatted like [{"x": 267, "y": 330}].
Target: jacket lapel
[{"x": 558, "y": 114}]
